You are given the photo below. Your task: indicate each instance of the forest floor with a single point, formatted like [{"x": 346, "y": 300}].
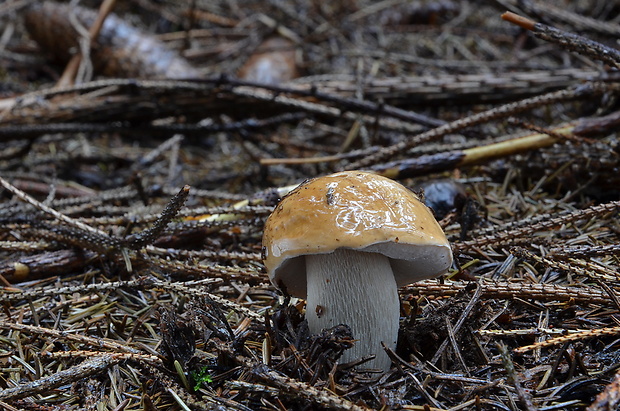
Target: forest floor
[{"x": 138, "y": 170}]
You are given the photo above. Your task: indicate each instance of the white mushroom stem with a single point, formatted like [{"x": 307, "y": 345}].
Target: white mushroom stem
[{"x": 358, "y": 289}]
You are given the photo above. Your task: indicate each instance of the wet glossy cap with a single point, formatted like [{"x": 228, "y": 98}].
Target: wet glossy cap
[{"x": 355, "y": 210}]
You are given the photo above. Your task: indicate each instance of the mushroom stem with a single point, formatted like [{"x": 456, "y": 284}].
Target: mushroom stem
[{"x": 358, "y": 289}]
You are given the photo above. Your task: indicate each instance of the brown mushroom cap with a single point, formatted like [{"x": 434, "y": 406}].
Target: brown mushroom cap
[{"x": 355, "y": 210}]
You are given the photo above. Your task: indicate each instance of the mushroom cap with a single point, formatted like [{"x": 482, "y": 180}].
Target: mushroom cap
[{"x": 356, "y": 210}]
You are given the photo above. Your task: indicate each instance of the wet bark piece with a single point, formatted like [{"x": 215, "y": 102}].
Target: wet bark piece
[
  {"x": 44, "y": 265},
  {"x": 120, "y": 50}
]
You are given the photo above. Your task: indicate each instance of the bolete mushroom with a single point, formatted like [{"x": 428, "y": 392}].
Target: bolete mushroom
[{"x": 345, "y": 242}]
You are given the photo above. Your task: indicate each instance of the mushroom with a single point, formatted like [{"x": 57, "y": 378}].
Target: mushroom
[{"x": 346, "y": 242}]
